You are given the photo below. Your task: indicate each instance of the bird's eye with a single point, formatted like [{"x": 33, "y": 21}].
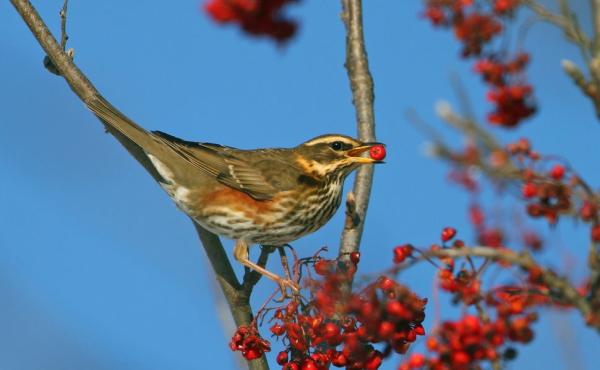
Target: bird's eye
[{"x": 336, "y": 145}]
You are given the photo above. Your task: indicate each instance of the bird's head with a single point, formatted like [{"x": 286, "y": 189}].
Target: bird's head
[{"x": 333, "y": 155}]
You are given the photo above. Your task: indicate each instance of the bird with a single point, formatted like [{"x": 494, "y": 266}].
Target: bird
[{"x": 269, "y": 196}]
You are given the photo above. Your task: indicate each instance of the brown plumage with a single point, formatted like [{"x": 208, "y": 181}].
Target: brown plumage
[{"x": 263, "y": 196}]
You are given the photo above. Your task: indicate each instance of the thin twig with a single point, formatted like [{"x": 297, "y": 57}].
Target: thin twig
[
  {"x": 564, "y": 21},
  {"x": 63, "y": 26},
  {"x": 48, "y": 64},
  {"x": 595, "y": 8},
  {"x": 361, "y": 84}
]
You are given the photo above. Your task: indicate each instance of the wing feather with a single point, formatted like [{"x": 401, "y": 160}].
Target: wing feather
[{"x": 228, "y": 168}]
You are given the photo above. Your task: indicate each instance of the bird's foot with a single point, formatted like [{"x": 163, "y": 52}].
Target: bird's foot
[{"x": 284, "y": 285}]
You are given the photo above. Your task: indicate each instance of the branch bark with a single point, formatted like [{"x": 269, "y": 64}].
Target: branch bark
[
  {"x": 361, "y": 84},
  {"x": 237, "y": 298}
]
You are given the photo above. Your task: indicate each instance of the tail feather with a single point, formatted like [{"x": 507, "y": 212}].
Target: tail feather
[
  {"x": 118, "y": 121},
  {"x": 138, "y": 142}
]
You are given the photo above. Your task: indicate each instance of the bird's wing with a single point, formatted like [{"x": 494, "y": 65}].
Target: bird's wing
[{"x": 257, "y": 178}]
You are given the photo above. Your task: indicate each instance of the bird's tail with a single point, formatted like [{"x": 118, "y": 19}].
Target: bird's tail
[
  {"x": 117, "y": 121},
  {"x": 138, "y": 142}
]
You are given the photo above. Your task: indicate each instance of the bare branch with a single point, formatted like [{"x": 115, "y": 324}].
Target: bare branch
[
  {"x": 587, "y": 88},
  {"x": 588, "y": 47},
  {"x": 361, "y": 83},
  {"x": 564, "y": 21},
  {"x": 237, "y": 298},
  {"x": 63, "y": 25},
  {"x": 595, "y": 7}
]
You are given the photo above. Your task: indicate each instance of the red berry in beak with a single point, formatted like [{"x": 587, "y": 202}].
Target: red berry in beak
[{"x": 377, "y": 152}]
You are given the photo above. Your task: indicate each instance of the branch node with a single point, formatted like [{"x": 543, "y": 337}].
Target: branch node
[{"x": 352, "y": 217}]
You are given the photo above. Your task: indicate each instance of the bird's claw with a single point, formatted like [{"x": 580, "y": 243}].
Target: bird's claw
[{"x": 284, "y": 284}]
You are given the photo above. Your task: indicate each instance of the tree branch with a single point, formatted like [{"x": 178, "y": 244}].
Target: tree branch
[
  {"x": 237, "y": 299},
  {"x": 523, "y": 260},
  {"x": 595, "y": 7},
  {"x": 361, "y": 84},
  {"x": 564, "y": 21}
]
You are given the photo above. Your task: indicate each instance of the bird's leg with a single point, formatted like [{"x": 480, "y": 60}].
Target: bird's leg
[
  {"x": 240, "y": 253},
  {"x": 284, "y": 262}
]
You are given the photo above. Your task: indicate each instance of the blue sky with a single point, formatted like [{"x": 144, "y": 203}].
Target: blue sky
[{"x": 99, "y": 270}]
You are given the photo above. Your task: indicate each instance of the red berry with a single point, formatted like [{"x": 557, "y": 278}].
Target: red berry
[
  {"x": 532, "y": 240},
  {"x": 377, "y": 152},
  {"x": 322, "y": 267},
  {"x": 419, "y": 330},
  {"x": 411, "y": 336},
  {"x": 587, "y": 211},
  {"x": 309, "y": 364},
  {"x": 386, "y": 329},
  {"x": 252, "y": 354},
  {"x": 401, "y": 252},
  {"x": 374, "y": 361},
  {"x": 476, "y": 215},
  {"x": 386, "y": 283},
  {"x": 219, "y": 11},
  {"x": 596, "y": 234},
  {"x": 534, "y": 155},
  {"x": 277, "y": 329},
  {"x": 471, "y": 323},
  {"x": 355, "y": 257},
  {"x": 331, "y": 332},
  {"x": 460, "y": 359},
  {"x": 416, "y": 360},
  {"x": 397, "y": 310},
  {"x": 291, "y": 366},
  {"x": 557, "y": 172},
  {"x": 529, "y": 190},
  {"x": 448, "y": 233},
  {"x": 338, "y": 359},
  {"x": 282, "y": 358}
]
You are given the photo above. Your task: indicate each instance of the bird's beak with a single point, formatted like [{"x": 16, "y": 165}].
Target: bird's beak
[{"x": 355, "y": 154}]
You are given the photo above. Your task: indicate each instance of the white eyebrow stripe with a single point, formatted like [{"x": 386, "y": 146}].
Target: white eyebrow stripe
[{"x": 329, "y": 139}]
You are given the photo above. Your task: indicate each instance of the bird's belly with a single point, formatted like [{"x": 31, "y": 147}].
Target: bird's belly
[
  {"x": 283, "y": 223},
  {"x": 272, "y": 229},
  {"x": 279, "y": 221}
]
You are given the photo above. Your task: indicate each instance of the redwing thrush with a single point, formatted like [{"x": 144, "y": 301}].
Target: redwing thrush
[{"x": 263, "y": 196}]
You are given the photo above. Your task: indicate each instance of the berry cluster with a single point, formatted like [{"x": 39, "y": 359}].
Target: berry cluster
[
  {"x": 465, "y": 343},
  {"x": 339, "y": 327},
  {"x": 475, "y": 28},
  {"x": 248, "y": 341},
  {"x": 255, "y": 17},
  {"x": 464, "y": 284},
  {"x": 513, "y": 104},
  {"x": 552, "y": 192},
  {"x": 468, "y": 342}
]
